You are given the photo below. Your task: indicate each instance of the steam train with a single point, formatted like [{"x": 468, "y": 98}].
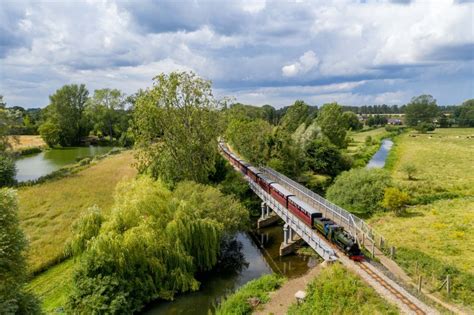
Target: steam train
[{"x": 309, "y": 215}]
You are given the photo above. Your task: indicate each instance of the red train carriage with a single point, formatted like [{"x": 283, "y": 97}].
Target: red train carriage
[
  {"x": 280, "y": 194},
  {"x": 303, "y": 210},
  {"x": 264, "y": 182},
  {"x": 253, "y": 172},
  {"x": 243, "y": 166}
]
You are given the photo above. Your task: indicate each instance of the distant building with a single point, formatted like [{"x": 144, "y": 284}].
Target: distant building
[{"x": 394, "y": 121}]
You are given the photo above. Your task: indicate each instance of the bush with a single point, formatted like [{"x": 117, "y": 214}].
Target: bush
[
  {"x": 323, "y": 157},
  {"x": 410, "y": 170},
  {"x": 424, "y": 127},
  {"x": 395, "y": 200},
  {"x": 360, "y": 190},
  {"x": 7, "y": 170},
  {"x": 238, "y": 303},
  {"x": 50, "y": 132}
]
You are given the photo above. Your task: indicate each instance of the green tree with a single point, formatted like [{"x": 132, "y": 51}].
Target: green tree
[
  {"x": 13, "y": 273},
  {"x": 360, "y": 190},
  {"x": 66, "y": 112},
  {"x": 7, "y": 170},
  {"x": 7, "y": 164},
  {"x": 284, "y": 155},
  {"x": 50, "y": 132},
  {"x": 176, "y": 125},
  {"x": 323, "y": 157},
  {"x": 464, "y": 114},
  {"x": 395, "y": 200},
  {"x": 106, "y": 110},
  {"x": 333, "y": 124},
  {"x": 352, "y": 121},
  {"x": 295, "y": 115},
  {"x": 410, "y": 170},
  {"x": 421, "y": 109}
]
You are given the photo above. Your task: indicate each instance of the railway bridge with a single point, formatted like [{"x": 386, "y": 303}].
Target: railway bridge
[{"x": 294, "y": 227}]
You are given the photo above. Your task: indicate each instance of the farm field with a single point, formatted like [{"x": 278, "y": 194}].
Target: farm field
[
  {"x": 24, "y": 142},
  {"x": 50, "y": 208},
  {"x": 434, "y": 238}
]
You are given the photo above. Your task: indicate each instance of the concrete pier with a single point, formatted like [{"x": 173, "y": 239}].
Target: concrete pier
[
  {"x": 291, "y": 241},
  {"x": 267, "y": 217}
]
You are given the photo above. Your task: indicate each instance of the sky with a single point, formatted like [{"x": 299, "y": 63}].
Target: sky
[{"x": 255, "y": 52}]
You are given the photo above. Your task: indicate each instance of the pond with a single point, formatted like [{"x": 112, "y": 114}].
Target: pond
[
  {"x": 378, "y": 160},
  {"x": 260, "y": 250},
  {"x": 34, "y": 166}
]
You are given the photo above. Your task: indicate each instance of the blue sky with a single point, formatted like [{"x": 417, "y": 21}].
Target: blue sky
[{"x": 258, "y": 52}]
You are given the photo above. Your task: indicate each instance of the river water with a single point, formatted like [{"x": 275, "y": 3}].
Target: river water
[
  {"x": 378, "y": 160},
  {"x": 34, "y": 166},
  {"x": 260, "y": 249}
]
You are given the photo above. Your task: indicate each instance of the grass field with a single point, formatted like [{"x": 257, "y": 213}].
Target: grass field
[
  {"x": 24, "y": 142},
  {"x": 435, "y": 237},
  {"x": 358, "y": 138},
  {"x": 47, "y": 210},
  {"x": 361, "y": 152}
]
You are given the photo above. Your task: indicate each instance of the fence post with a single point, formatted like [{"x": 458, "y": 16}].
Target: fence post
[
  {"x": 419, "y": 283},
  {"x": 381, "y": 242},
  {"x": 363, "y": 238},
  {"x": 448, "y": 284},
  {"x": 392, "y": 252},
  {"x": 373, "y": 250}
]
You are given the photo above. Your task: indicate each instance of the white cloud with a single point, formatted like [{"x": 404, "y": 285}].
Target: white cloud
[{"x": 306, "y": 62}]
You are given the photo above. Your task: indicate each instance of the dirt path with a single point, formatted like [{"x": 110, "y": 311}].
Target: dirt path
[{"x": 281, "y": 299}]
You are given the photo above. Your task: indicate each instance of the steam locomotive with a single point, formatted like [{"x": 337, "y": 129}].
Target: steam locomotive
[{"x": 309, "y": 215}]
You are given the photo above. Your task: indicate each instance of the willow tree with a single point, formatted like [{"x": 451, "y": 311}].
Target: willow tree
[{"x": 176, "y": 126}]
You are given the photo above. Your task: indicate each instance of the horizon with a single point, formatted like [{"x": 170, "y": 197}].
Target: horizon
[{"x": 258, "y": 52}]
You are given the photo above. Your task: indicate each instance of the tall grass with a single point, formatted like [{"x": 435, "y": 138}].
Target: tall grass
[{"x": 339, "y": 291}]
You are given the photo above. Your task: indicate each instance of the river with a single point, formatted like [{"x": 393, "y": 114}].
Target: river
[
  {"x": 260, "y": 250},
  {"x": 378, "y": 160},
  {"x": 34, "y": 166}
]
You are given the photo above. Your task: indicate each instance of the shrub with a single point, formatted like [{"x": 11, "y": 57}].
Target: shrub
[
  {"x": 7, "y": 170},
  {"x": 360, "y": 190},
  {"x": 84, "y": 229},
  {"x": 50, "y": 132},
  {"x": 424, "y": 127},
  {"x": 395, "y": 200},
  {"x": 410, "y": 170},
  {"x": 238, "y": 303},
  {"x": 368, "y": 140}
]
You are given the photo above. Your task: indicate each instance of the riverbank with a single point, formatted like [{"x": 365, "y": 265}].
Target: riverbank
[{"x": 26, "y": 144}]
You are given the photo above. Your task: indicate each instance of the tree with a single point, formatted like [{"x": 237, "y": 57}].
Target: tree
[
  {"x": 106, "y": 111},
  {"x": 323, "y": 157},
  {"x": 464, "y": 114},
  {"x": 66, "y": 110},
  {"x": 352, "y": 121},
  {"x": 7, "y": 164},
  {"x": 5, "y": 121},
  {"x": 284, "y": 155},
  {"x": 333, "y": 124},
  {"x": 295, "y": 115},
  {"x": 395, "y": 200},
  {"x": 7, "y": 170},
  {"x": 13, "y": 273},
  {"x": 176, "y": 125},
  {"x": 51, "y": 133},
  {"x": 360, "y": 190},
  {"x": 421, "y": 109},
  {"x": 410, "y": 170}
]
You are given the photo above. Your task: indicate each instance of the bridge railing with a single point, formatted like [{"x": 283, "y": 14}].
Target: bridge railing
[{"x": 355, "y": 225}]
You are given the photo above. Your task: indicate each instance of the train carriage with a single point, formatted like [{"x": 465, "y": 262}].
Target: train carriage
[
  {"x": 303, "y": 210},
  {"x": 253, "y": 172},
  {"x": 264, "y": 182},
  {"x": 280, "y": 194}
]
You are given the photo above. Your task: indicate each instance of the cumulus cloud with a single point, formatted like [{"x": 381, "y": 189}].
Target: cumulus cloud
[
  {"x": 250, "y": 49},
  {"x": 306, "y": 62}
]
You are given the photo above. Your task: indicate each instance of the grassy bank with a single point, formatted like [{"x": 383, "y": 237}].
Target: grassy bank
[
  {"x": 47, "y": 210},
  {"x": 257, "y": 290},
  {"x": 434, "y": 238},
  {"x": 362, "y": 151},
  {"x": 338, "y": 291},
  {"x": 26, "y": 143}
]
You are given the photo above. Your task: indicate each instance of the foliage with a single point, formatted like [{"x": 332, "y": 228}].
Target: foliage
[
  {"x": 176, "y": 125},
  {"x": 152, "y": 245},
  {"x": 464, "y": 114},
  {"x": 376, "y": 120},
  {"x": 295, "y": 115},
  {"x": 333, "y": 124},
  {"x": 359, "y": 190},
  {"x": 7, "y": 170},
  {"x": 5, "y": 122},
  {"x": 424, "y": 127},
  {"x": 13, "y": 298},
  {"x": 85, "y": 229},
  {"x": 106, "y": 111},
  {"x": 323, "y": 157},
  {"x": 421, "y": 108},
  {"x": 51, "y": 133},
  {"x": 249, "y": 138},
  {"x": 395, "y": 200},
  {"x": 410, "y": 170},
  {"x": 352, "y": 121},
  {"x": 238, "y": 302},
  {"x": 49, "y": 209},
  {"x": 284, "y": 155},
  {"x": 65, "y": 117},
  {"x": 338, "y": 291}
]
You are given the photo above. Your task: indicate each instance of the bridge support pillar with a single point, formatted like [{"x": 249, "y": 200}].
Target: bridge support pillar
[
  {"x": 291, "y": 242},
  {"x": 267, "y": 218}
]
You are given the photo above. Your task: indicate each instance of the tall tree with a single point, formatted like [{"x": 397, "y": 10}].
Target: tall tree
[
  {"x": 333, "y": 124},
  {"x": 352, "y": 121},
  {"x": 464, "y": 114},
  {"x": 66, "y": 111},
  {"x": 421, "y": 109},
  {"x": 295, "y": 116},
  {"x": 7, "y": 164},
  {"x": 106, "y": 112},
  {"x": 13, "y": 298},
  {"x": 176, "y": 125}
]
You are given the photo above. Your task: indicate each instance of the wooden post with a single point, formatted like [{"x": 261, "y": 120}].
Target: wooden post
[
  {"x": 392, "y": 252},
  {"x": 448, "y": 284},
  {"x": 363, "y": 238},
  {"x": 419, "y": 283},
  {"x": 416, "y": 267},
  {"x": 381, "y": 242},
  {"x": 373, "y": 250}
]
